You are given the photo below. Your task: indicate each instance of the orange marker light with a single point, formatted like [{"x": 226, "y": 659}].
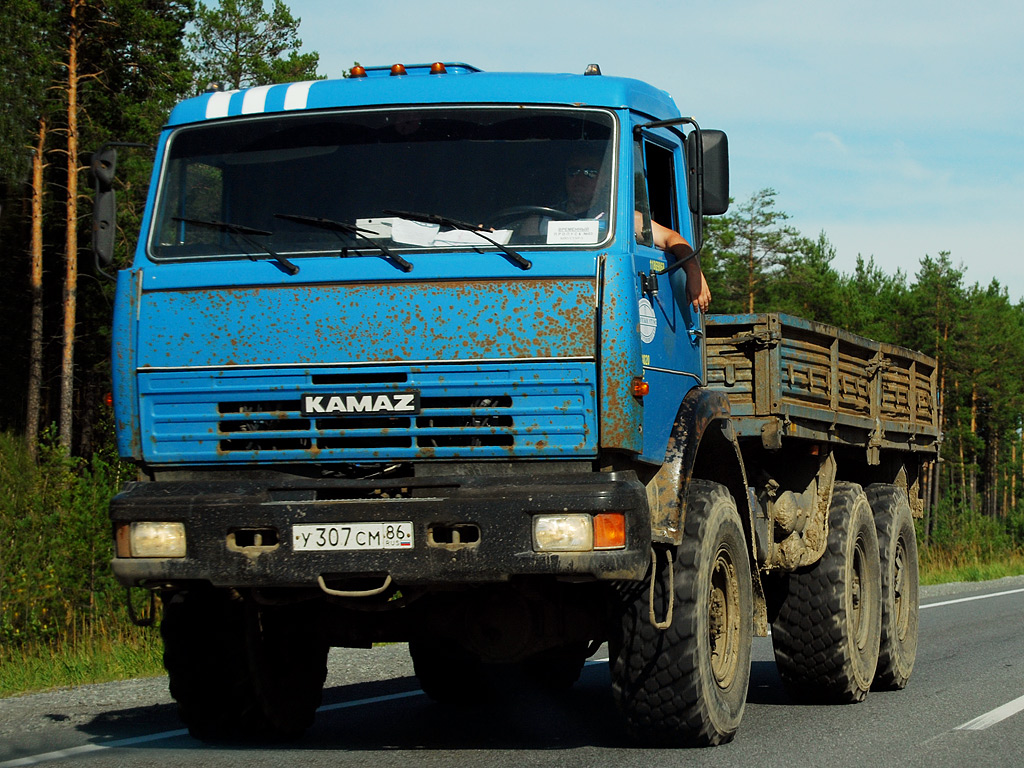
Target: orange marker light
[
  {"x": 640, "y": 387},
  {"x": 357, "y": 71},
  {"x": 437, "y": 68},
  {"x": 609, "y": 530},
  {"x": 397, "y": 69}
]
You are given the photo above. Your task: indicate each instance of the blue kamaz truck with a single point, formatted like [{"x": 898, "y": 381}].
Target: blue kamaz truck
[{"x": 398, "y": 361}]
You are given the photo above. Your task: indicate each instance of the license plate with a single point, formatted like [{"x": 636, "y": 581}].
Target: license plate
[{"x": 326, "y": 537}]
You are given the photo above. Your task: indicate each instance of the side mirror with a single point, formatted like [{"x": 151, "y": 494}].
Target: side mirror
[
  {"x": 104, "y": 213},
  {"x": 708, "y": 172},
  {"x": 104, "y": 165},
  {"x": 716, "y": 172}
]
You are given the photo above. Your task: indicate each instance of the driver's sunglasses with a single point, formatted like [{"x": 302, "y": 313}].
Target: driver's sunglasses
[{"x": 590, "y": 173}]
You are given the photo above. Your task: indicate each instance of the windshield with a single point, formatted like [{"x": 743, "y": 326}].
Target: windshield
[{"x": 406, "y": 179}]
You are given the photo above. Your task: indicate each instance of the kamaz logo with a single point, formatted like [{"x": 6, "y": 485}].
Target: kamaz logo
[{"x": 404, "y": 403}]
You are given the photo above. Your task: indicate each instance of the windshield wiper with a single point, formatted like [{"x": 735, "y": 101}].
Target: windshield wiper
[
  {"x": 245, "y": 234},
  {"x": 444, "y": 221},
  {"x": 349, "y": 229}
]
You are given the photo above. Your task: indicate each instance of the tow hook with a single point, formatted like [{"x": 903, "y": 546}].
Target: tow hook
[
  {"x": 662, "y": 625},
  {"x": 146, "y": 619}
]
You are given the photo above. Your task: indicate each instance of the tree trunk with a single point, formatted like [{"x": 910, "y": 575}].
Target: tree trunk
[
  {"x": 974, "y": 453},
  {"x": 992, "y": 478},
  {"x": 751, "y": 278},
  {"x": 1010, "y": 482},
  {"x": 35, "y": 360},
  {"x": 67, "y": 367}
]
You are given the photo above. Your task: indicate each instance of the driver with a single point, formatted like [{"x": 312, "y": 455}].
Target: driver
[
  {"x": 581, "y": 185},
  {"x": 582, "y": 173}
]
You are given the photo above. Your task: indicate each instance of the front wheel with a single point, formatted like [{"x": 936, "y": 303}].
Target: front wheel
[
  {"x": 240, "y": 671},
  {"x": 447, "y": 672},
  {"x": 687, "y": 684}
]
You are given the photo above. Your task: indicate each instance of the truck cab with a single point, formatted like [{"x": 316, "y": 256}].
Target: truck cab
[{"x": 402, "y": 277}]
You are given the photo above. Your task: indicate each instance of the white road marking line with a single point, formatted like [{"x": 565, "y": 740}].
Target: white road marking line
[
  {"x": 971, "y": 599},
  {"x": 86, "y": 748},
  {"x": 361, "y": 702},
  {"x": 995, "y": 716}
]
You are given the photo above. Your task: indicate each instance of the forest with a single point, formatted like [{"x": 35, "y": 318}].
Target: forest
[{"x": 78, "y": 73}]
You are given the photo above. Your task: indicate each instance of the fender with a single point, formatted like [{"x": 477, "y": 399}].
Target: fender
[
  {"x": 703, "y": 444},
  {"x": 701, "y": 427}
]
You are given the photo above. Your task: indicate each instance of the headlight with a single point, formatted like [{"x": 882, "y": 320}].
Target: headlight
[
  {"x": 563, "y": 533},
  {"x": 151, "y": 540}
]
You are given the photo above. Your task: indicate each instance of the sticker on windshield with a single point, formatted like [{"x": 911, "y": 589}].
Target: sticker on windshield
[
  {"x": 648, "y": 321},
  {"x": 581, "y": 232}
]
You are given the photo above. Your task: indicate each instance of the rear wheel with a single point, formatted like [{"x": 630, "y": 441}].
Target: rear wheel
[
  {"x": 897, "y": 547},
  {"x": 827, "y": 631},
  {"x": 687, "y": 684}
]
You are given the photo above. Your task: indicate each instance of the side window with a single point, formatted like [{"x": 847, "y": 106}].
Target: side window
[
  {"x": 661, "y": 185},
  {"x": 641, "y": 204},
  {"x": 654, "y": 183}
]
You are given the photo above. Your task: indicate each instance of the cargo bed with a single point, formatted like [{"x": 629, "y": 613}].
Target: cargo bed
[{"x": 787, "y": 377}]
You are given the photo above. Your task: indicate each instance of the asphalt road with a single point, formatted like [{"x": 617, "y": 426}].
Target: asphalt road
[{"x": 964, "y": 707}]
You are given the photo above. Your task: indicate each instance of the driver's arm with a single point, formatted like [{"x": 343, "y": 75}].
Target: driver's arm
[{"x": 670, "y": 241}]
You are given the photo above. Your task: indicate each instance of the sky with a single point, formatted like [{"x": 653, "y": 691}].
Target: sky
[{"x": 896, "y": 128}]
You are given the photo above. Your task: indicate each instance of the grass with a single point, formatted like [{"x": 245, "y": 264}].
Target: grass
[
  {"x": 38, "y": 667},
  {"x": 941, "y": 566}
]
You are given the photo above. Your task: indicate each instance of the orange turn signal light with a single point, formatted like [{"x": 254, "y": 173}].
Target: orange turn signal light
[
  {"x": 640, "y": 387},
  {"x": 609, "y": 530}
]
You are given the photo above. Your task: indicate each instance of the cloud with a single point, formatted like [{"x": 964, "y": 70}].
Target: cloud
[{"x": 832, "y": 140}]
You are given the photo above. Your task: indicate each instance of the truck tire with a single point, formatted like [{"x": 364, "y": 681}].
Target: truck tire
[
  {"x": 557, "y": 669},
  {"x": 897, "y": 548},
  {"x": 687, "y": 684},
  {"x": 828, "y": 628},
  {"x": 448, "y": 673},
  {"x": 288, "y": 663},
  {"x": 241, "y": 672}
]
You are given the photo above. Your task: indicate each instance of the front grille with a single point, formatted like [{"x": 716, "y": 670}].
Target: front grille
[{"x": 484, "y": 411}]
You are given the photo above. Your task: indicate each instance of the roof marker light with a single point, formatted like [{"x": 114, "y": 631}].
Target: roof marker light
[
  {"x": 357, "y": 71},
  {"x": 398, "y": 69},
  {"x": 438, "y": 68},
  {"x": 592, "y": 69}
]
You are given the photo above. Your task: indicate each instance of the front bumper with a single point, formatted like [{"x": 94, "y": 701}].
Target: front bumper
[{"x": 239, "y": 532}]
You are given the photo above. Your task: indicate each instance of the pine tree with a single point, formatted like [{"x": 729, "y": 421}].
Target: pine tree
[
  {"x": 239, "y": 45},
  {"x": 26, "y": 52},
  {"x": 806, "y": 284},
  {"x": 746, "y": 249}
]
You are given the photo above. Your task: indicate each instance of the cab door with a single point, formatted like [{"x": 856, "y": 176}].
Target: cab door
[{"x": 671, "y": 332}]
